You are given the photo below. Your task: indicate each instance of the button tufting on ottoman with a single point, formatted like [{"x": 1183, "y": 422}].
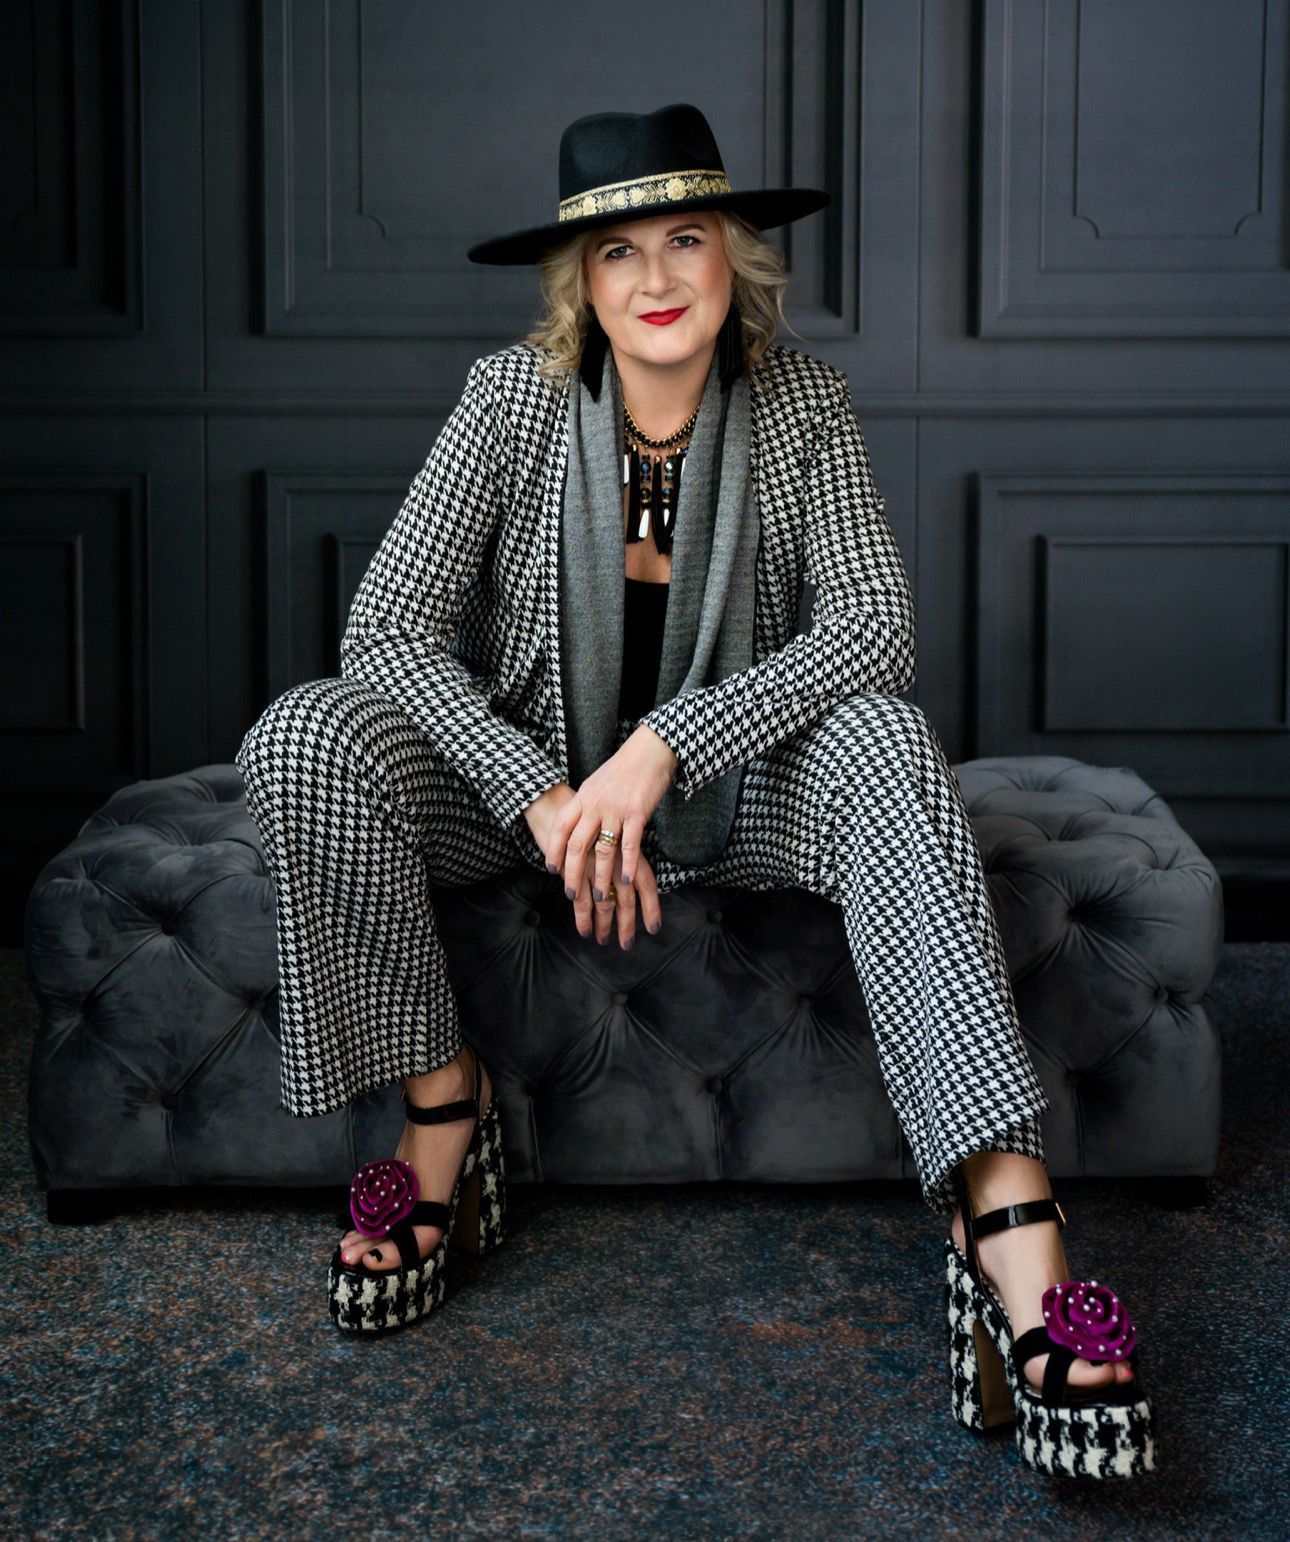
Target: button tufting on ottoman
[{"x": 735, "y": 1044}]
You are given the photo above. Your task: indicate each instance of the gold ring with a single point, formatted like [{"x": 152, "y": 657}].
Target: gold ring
[{"x": 609, "y": 837}]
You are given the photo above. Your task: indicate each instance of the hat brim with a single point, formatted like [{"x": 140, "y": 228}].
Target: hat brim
[{"x": 766, "y": 208}]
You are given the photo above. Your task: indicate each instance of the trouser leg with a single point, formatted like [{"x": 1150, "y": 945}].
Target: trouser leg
[
  {"x": 357, "y": 818},
  {"x": 863, "y": 809}
]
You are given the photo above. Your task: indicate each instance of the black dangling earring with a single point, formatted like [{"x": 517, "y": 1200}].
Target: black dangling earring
[
  {"x": 591, "y": 366},
  {"x": 730, "y": 347}
]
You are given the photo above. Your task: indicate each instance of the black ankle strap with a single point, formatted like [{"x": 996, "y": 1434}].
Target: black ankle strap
[
  {"x": 998, "y": 1220},
  {"x": 1016, "y": 1215},
  {"x": 444, "y": 1113},
  {"x": 1035, "y": 1341}
]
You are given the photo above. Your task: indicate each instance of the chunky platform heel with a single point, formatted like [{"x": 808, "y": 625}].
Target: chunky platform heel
[
  {"x": 480, "y": 1222},
  {"x": 384, "y": 1204},
  {"x": 1103, "y": 1432}
]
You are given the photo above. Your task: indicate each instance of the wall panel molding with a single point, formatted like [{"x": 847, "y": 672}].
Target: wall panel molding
[
  {"x": 1112, "y": 608},
  {"x": 319, "y": 532},
  {"x": 369, "y": 201},
  {"x": 1132, "y": 187},
  {"x": 74, "y": 607},
  {"x": 71, "y": 180}
]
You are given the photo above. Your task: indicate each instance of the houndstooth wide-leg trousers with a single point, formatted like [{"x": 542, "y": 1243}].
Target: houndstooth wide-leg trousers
[{"x": 358, "y": 817}]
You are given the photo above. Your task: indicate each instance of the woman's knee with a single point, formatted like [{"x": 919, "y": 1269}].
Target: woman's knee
[
  {"x": 872, "y": 717},
  {"x": 329, "y": 723}
]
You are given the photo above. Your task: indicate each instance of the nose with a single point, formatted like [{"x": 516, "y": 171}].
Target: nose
[{"x": 658, "y": 280}]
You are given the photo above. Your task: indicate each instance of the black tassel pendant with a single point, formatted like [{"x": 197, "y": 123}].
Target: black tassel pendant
[
  {"x": 730, "y": 348},
  {"x": 653, "y": 482},
  {"x": 591, "y": 364}
]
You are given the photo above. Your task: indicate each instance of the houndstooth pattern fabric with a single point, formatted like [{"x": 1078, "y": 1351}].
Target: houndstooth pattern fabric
[
  {"x": 416, "y": 764},
  {"x": 457, "y": 616}
]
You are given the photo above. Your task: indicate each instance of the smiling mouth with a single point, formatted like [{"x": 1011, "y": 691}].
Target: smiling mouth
[{"x": 660, "y": 318}]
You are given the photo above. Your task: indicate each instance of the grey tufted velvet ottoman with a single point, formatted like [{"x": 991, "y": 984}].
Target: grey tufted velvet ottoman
[{"x": 701, "y": 1054}]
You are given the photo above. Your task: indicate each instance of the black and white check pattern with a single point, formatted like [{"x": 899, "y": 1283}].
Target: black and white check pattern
[{"x": 416, "y": 764}]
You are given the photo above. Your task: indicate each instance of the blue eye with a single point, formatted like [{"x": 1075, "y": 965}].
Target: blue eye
[{"x": 612, "y": 254}]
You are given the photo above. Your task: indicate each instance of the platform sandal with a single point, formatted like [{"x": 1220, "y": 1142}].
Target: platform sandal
[
  {"x": 1101, "y": 1432},
  {"x": 384, "y": 1205}
]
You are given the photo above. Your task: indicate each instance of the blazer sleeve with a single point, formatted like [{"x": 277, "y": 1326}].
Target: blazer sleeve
[
  {"x": 862, "y": 637},
  {"x": 409, "y": 602}
]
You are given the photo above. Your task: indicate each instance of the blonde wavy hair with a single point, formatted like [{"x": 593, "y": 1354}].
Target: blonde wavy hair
[{"x": 758, "y": 287}]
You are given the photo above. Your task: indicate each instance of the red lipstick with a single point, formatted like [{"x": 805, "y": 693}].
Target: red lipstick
[{"x": 661, "y": 318}]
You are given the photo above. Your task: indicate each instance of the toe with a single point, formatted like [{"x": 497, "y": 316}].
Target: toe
[
  {"x": 352, "y": 1245},
  {"x": 358, "y": 1249},
  {"x": 1082, "y": 1375}
]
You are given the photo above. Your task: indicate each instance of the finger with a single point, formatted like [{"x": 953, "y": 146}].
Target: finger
[
  {"x": 626, "y": 912},
  {"x": 580, "y": 880},
  {"x": 606, "y": 906},
  {"x": 583, "y": 908},
  {"x": 606, "y": 859},
  {"x": 575, "y": 854},
  {"x": 630, "y": 844},
  {"x": 558, "y": 835},
  {"x": 647, "y": 891}
]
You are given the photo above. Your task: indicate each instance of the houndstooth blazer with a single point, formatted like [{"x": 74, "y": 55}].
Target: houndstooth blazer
[{"x": 457, "y": 615}]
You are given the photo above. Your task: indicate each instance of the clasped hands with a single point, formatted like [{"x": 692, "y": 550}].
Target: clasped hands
[{"x": 620, "y": 795}]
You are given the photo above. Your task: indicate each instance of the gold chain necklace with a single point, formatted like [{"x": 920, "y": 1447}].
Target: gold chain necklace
[{"x": 629, "y": 423}]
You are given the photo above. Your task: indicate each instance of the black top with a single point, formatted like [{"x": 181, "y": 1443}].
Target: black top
[{"x": 644, "y": 612}]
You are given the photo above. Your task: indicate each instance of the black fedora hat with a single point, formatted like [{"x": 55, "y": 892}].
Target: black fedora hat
[{"x": 627, "y": 165}]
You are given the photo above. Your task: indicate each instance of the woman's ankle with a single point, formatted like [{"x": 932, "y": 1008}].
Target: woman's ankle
[
  {"x": 998, "y": 1178},
  {"x": 442, "y": 1084}
]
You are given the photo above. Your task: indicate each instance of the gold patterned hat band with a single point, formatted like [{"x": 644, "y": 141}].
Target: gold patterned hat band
[
  {"x": 669, "y": 187},
  {"x": 616, "y": 165}
]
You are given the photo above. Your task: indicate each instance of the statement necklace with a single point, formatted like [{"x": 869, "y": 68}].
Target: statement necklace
[{"x": 652, "y": 476}]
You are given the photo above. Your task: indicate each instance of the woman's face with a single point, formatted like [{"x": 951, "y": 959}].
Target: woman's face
[{"x": 667, "y": 263}]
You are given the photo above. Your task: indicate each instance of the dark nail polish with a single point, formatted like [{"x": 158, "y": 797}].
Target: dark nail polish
[
  {"x": 552, "y": 868},
  {"x": 656, "y": 926},
  {"x": 597, "y": 895},
  {"x": 569, "y": 892},
  {"x": 630, "y": 943},
  {"x": 627, "y": 877}
]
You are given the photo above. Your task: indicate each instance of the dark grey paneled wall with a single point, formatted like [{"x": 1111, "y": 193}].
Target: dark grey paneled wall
[{"x": 236, "y": 310}]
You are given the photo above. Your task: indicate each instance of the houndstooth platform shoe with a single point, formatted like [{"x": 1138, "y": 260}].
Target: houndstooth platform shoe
[
  {"x": 384, "y": 1204},
  {"x": 1103, "y": 1432}
]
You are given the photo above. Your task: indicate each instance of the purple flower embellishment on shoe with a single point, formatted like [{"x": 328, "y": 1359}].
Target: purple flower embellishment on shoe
[
  {"x": 1089, "y": 1319},
  {"x": 382, "y": 1194}
]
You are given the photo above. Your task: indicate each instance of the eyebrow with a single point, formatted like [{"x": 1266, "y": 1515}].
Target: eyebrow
[{"x": 619, "y": 240}]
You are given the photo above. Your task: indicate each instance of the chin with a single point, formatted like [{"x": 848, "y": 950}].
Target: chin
[{"x": 677, "y": 350}]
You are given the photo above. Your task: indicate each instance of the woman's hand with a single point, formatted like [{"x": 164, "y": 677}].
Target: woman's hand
[{"x": 620, "y": 796}]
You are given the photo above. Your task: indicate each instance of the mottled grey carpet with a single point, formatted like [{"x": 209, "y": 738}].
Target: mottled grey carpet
[{"x": 725, "y": 1361}]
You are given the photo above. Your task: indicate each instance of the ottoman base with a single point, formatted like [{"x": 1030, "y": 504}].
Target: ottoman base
[{"x": 151, "y": 947}]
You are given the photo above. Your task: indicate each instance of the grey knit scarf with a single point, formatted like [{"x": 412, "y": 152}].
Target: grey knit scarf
[{"x": 708, "y": 632}]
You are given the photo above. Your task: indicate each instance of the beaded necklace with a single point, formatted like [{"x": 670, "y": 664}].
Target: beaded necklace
[{"x": 652, "y": 477}]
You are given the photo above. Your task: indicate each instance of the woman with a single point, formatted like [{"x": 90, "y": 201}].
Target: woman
[{"x": 556, "y": 655}]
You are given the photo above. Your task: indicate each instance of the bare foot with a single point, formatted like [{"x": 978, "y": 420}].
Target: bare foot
[
  {"x": 436, "y": 1152},
  {"x": 1021, "y": 1262}
]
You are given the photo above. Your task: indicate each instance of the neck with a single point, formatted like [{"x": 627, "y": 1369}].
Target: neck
[{"x": 660, "y": 397}]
